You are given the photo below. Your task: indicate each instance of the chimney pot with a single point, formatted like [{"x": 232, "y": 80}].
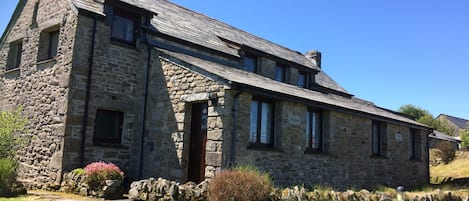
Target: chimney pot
[{"x": 315, "y": 57}]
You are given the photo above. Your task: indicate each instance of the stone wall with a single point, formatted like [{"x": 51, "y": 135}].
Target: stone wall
[
  {"x": 346, "y": 159},
  {"x": 174, "y": 86},
  {"x": 40, "y": 86},
  {"x": 117, "y": 84}
]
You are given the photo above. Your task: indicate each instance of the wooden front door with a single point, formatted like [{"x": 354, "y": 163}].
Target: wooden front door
[{"x": 198, "y": 140}]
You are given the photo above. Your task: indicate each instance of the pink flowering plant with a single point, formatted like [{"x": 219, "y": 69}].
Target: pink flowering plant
[{"x": 98, "y": 172}]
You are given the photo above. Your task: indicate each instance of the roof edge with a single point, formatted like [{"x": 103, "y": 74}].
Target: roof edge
[{"x": 13, "y": 18}]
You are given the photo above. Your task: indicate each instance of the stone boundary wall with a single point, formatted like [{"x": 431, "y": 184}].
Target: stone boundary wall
[{"x": 161, "y": 189}]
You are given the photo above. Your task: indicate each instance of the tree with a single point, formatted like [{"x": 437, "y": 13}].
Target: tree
[
  {"x": 12, "y": 124},
  {"x": 420, "y": 115},
  {"x": 464, "y": 134},
  {"x": 414, "y": 111}
]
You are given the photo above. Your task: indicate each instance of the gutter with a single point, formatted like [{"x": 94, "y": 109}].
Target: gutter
[
  {"x": 233, "y": 129},
  {"x": 87, "y": 95}
]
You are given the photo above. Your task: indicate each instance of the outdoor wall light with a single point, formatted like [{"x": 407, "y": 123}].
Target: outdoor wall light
[{"x": 400, "y": 193}]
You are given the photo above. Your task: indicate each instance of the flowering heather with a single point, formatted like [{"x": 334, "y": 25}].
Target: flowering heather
[{"x": 98, "y": 172}]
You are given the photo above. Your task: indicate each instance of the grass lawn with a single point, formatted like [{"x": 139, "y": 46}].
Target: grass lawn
[
  {"x": 39, "y": 195},
  {"x": 458, "y": 169},
  {"x": 22, "y": 198}
]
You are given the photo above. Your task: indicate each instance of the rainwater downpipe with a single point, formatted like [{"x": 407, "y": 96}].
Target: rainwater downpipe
[
  {"x": 144, "y": 104},
  {"x": 87, "y": 93},
  {"x": 234, "y": 128}
]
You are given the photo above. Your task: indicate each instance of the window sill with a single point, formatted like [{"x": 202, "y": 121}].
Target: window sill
[
  {"x": 263, "y": 148},
  {"x": 379, "y": 157},
  {"x": 109, "y": 145},
  {"x": 12, "y": 73},
  {"x": 47, "y": 63},
  {"x": 123, "y": 44},
  {"x": 314, "y": 152}
]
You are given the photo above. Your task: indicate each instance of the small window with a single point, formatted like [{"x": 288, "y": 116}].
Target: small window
[
  {"x": 262, "y": 123},
  {"x": 14, "y": 55},
  {"x": 250, "y": 63},
  {"x": 108, "y": 126},
  {"x": 48, "y": 44},
  {"x": 280, "y": 73},
  {"x": 53, "y": 43},
  {"x": 415, "y": 142},
  {"x": 303, "y": 79},
  {"x": 123, "y": 27},
  {"x": 378, "y": 139},
  {"x": 314, "y": 130}
]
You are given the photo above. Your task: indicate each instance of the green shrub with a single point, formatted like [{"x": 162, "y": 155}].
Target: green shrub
[
  {"x": 78, "y": 171},
  {"x": 11, "y": 125},
  {"x": 98, "y": 172},
  {"x": 447, "y": 153},
  {"x": 7, "y": 177},
  {"x": 242, "y": 183}
]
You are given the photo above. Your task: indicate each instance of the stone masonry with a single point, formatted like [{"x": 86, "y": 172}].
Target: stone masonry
[
  {"x": 41, "y": 87},
  {"x": 156, "y": 90}
]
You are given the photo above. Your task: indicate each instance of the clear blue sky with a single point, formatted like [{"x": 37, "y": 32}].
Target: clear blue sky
[{"x": 389, "y": 52}]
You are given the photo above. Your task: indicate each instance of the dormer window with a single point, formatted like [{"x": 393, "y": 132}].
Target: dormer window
[
  {"x": 280, "y": 73},
  {"x": 250, "y": 63},
  {"x": 304, "y": 79},
  {"x": 123, "y": 27}
]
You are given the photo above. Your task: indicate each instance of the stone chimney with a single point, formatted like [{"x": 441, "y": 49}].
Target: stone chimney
[{"x": 314, "y": 56}]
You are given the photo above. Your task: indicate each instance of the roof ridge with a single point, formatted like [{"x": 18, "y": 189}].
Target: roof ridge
[{"x": 233, "y": 27}]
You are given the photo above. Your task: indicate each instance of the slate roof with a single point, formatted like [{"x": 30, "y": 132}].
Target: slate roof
[
  {"x": 197, "y": 28},
  {"x": 244, "y": 78},
  {"x": 179, "y": 22},
  {"x": 441, "y": 136},
  {"x": 460, "y": 122}
]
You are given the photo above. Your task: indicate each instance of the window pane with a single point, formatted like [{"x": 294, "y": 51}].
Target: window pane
[
  {"x": 280, "y": 73},
  {"x": 301, "y": 80},
  {"x": 266, "y": 123},
  {"x": 308, "y": 129},
  {"x": 108, "y": 126},
  {"x": 253, "y": 118},
  {"x": 122, "y": 28},
  {"x": 250, "y": 63},
  {"x": 375, "y": 138},
  {"x": 53, "y": 43},
  {"x": 316, "y": 129}
]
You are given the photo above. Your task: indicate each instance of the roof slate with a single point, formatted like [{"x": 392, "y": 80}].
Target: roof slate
[
  {"x": 251, "y": 79},
  {"x": 460, "y": 122},
  {"x": 442, "y": 136},
  {"x": 188, "y": 25},
  {"x": 197, "y": 28}
]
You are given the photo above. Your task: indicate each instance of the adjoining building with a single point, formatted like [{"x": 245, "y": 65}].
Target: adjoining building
[{"x": 163, "y": 91}]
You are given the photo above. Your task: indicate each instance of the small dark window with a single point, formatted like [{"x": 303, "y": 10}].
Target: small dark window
[
  {"x": 53, "y": 43},
  {"x": 280, "y": 73},
  {"x": 108, "y": 126},
  {"x": 48, "y": 44},
  {"x": 123, "y": 27},
  {"x": 415, "y": 143},
  {"x": 378, "y": 139},
  {"x": 303, "y": 79},
  {"x": 262, "y": 123},
  {"x": 250, "y": 63},
  {"x": 14, "y": 55},
  {"x": 313, "y": 131}
]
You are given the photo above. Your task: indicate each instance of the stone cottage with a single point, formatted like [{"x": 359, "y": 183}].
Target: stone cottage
[{"x": 163, "y": 91}]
